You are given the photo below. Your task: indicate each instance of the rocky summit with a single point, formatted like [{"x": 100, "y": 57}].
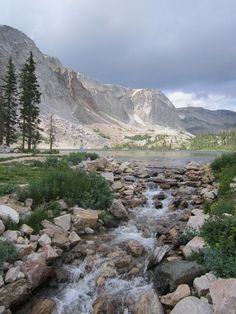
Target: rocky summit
[{"x": 86, "y": 109}]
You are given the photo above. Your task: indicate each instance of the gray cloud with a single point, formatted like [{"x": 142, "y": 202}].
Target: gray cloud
[{"x": 167, "y": 44}]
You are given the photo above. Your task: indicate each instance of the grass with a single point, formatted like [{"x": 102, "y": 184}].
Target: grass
[
  {"x": 87, "y": 190},
  {"x": 219, "y": 231}
]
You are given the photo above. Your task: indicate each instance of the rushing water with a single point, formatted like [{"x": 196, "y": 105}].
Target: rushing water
[{"x": 78, "y": 295}]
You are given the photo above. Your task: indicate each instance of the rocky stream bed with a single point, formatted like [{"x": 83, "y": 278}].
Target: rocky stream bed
[{"x": 126, "y": 262}]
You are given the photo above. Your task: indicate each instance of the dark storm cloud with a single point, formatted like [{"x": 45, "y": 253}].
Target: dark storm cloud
[{"x": 168, "y": 44}]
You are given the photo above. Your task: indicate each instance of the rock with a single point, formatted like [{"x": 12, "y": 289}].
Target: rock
[
  {"x": 63, "y": 222},
  {"x": 14, "y": 293},
  {"x": 2, "y": 227},
  {"x": 196, "y": 222},
  {"x": 118, "y": 210},
  {"x": 159, "y": 253},
  {"x": 157, "y": 204},
  {"x": 192, "y": 305},
  {"x": 44, "y": 240},
  {"x": 62, "y": 204},
  {"x": 89, "y": 230},
  {"x": 74, "y": 238},
  {"x": 11, "y": 235},
  {"x": 196, "y": 245},
  {"x": 135, "y": 248},
  {"x": 130, "y": 178},
  {"x": 25, "y": 229},
  {"x": 97, "y": 165},
  {"x": 34, "y": 238},
  {"x": 1, "y": 281},
  {"x": 25, "y": 249},
  {"x": 39, "y": 257},
  {"x": 50, "y": 252},
  {"x": 192, "y": 165},
  {"x": 122, "y": 261},
  {"x": 85, "y": 218},
  {"x": 60, "y": 240},
  {"x": 117, "y": 185},
  {"x": 171, "y": 299},
  {"x": 168, "y": 275},
  {"x": 109, "y": 176},
  {"x": 148, "y": 303},
  {"x": 208, "y": 195},
  {"x": 28, "y": 202},
  {"x": 161, "y": 196},
  {"x": 125, "y": 165},
  {"x": 42, "y": 306},
  {"x": 202, "y": 284},
  {"x": 173, "y": 232},
  {"x": 36, "y": 273},
  {"x": 223, "y": 294},
  {"x": 13, "y": 274},
  {"x": 3, "y": 310},
  {"x": 7, "y": 212}
]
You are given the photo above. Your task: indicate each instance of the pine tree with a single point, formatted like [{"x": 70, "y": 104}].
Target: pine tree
[
  {"x": 9, "y": 99},
  {"x": 2, "y": 117},
  {"x": 29, "y": 99}
]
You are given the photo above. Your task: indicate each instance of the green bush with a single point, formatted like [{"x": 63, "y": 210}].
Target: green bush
[
  {"x": 8, "y": 252},
  {"x": 223, "y": 161},
  {"x": 35, "y": 219},
  {"x": 10, "y": 224},
  {"x": 76, "y": 158},
  {"x": 7, "y": 189},
  {"x": 87, "y": 190},
  {"x": 221, "y": 207},
  {"x": 187, "y": 235}
]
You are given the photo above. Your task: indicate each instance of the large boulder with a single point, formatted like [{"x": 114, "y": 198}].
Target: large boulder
[
  {"x": 14, "y": 293},
  {"x": 168, "y": 275},
  {"x": 7, "y": 212},
  {"x": 84, "y": 218},
  {"x": 36, "y": 273},
  {"x": 148, "y": 303},
  {"x": 196, "y": 245},
  {"x": 2, "y": 227},
  {"x": 13, "y": 274},
  {"x": 223, "y": 294},
  {"x": 109, "y": 176},
  {"x": 118, "y": 210},
  {"x": 196, "y": 222},
  {"x": 171, "y": 299},
  {"x": 192, "y": 305}
]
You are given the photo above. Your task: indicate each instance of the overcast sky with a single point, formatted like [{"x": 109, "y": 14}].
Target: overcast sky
[{"x": 187, "y": 48}]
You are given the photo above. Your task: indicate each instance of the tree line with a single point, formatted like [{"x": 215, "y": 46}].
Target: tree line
[{"x": 19, "y": 105}]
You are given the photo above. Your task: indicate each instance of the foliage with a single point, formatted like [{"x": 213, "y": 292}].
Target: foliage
[
  {"x": 100, "y": 133},
  {"x": 10, "y": 224},
  {"x": 35, "y": 219},
  {"x": 76, "y": 158},
  {"x": 223, "y": 161},
  {"x": 8, "y": 252},
  {"x": 29, "y": 100},
  {"x": 187, "y": 235},
  {"x": 221, "y": 207},
  {"x": 225, "y": 140},
  {"x": 9, "y": 99},
  {"x": 87, "y": 190},
  {"x": 7, "y": 189}
]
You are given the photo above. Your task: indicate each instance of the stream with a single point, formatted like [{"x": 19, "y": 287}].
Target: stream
[{"x": 79, "y": 293}]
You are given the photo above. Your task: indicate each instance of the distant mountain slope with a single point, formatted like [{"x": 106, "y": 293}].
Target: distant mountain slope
[
  {"x": 100, "y": 114},
  {"x": 198, "y": 120}
]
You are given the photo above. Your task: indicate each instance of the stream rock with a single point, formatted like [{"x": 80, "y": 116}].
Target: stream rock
[
  {"x": 14, "y": 293},
  {"x": 36, "y": 273},
  {"x": 2, "y": 227},
  {"x": 42, "y": 306},
  {"x": 118, "y": 210},
  {"x": 63, "y": 221},
  {"x": 168, "y": 275},
  {"x": 84, "y": 218},
  {"x": 148, "y": 303},
  {"x": 135, "y": 248},
  {"x": 171, "y": 299},
  {"x": 202, "y": 284},
  {"x": 193, "y": 305}
]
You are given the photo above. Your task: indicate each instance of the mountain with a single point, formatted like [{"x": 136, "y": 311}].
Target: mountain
[
  {"x": 197, "y": 120},
  {"x": 83, "y": 108}
]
